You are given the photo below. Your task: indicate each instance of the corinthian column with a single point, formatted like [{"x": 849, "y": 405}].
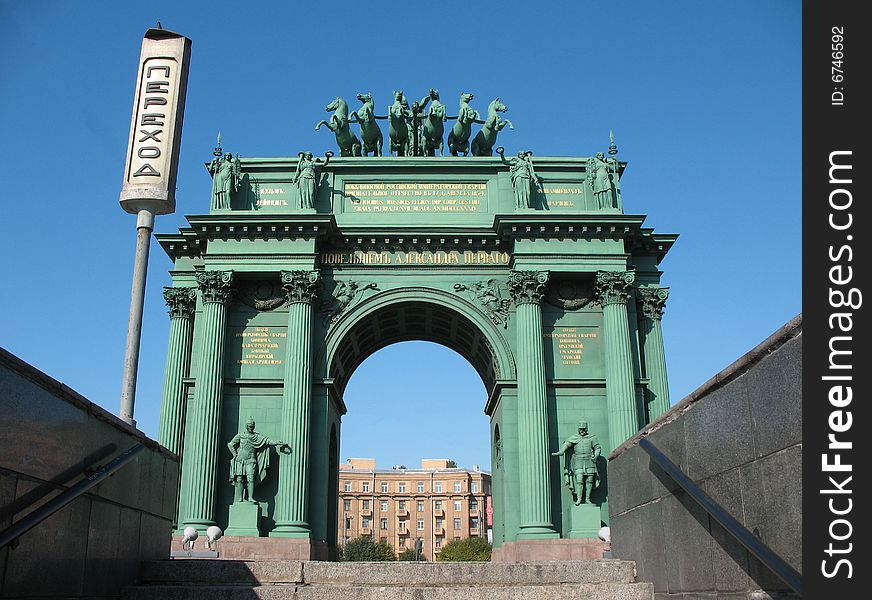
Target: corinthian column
[
  {"x": 182, "y": 302},
  {"x": 199, "y": 465},
  {"x": 613, "y": 292},
  {"x": 292, "y": 509},
  {"x": 651, "y": 302},
  {"x": 527, "y": 289}
]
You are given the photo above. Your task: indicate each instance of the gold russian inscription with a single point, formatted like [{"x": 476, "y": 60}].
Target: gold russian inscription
[
  {"x": 569, "y": 343},
  {"x": 415, "y": 196},
  {"x": 260, "y": 346},
  {"x": 415, "y": 257}
]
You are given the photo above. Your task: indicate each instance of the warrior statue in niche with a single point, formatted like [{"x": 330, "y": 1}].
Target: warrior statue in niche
[
  {"x": 580, "y": 475},
  {"x": 250, "y": 461}
]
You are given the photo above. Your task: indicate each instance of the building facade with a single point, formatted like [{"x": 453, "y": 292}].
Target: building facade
[{"x": 434, "y": 504}]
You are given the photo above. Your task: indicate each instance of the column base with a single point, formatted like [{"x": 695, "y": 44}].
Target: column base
[
  {"x": 243, "y": 520},
  {"x": 539, "y": 531},
  {"x": 199, "y": 525},
  {"x": 262, "y": 548},
  {"x": 291, "y": 530},
  {"x": 549, "y": 550}
]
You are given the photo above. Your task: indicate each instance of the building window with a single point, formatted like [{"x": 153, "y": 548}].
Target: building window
[
  {"x": 475, "y": 522},
  {"x": 437, "y": 505},
  {"x": 365, "y": 486},
  {"x": 384, "y": 487},
  {"x": 439, "y": 522},
  {"x": 365, "y": 523},
  {"x": 457, "y": 506},
  {"x": 458, "y": 486},
  {"x": 366, "y": 505},
  {"x": 473, "y": 505},
  {"x": 383, "y": 524},
  {"x": 346, "y": 504},
  {"x": 402, "y": 525},
  {"x": 402, "y": 543},
  {"x": 348, "y": 523},
  {"x": 439, "y": 543},
  {"x": 456, "y": 523},
  {"x": 347, "y": 486},
  {"x": 420, "y": 524},
  {"x": 383, "y": 506},
  {"x": 420, "y": 487},
  {"x": 437, "y": 487},
  {"x": 420, "y": 506},
  {"x": 401, "y": 487},
  {"x": 383, "y": 540},
  {"x": 474, "y": 487},
  {"x": 401, "y": 505}
]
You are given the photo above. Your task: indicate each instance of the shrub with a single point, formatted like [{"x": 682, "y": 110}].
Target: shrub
[
  {"x": 466, "y": 550},
  {"x": 364, "y": 549},
  {"x": 409, "y": 554}
]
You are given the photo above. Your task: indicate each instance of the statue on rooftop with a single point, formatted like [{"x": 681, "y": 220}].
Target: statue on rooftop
[
  {"x": 370, "y": 132},
  {"x": 307, "y": 177},
  {"x": 226, "y": 173},
  {"x": 458, "y": 139},
  {"x": 483, "y": 143},
  {"x": 250, "y": 461},
  {"x": 599, "y": 177},
  {"x": 399, "y": 117},
  {"x": 434, "y": 124},
  {"x": 348, "y": 143},
  {"x": 523, "y": 176}
]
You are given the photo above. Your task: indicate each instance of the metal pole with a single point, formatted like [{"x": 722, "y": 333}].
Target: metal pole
[{"x": 144, "y": 227}]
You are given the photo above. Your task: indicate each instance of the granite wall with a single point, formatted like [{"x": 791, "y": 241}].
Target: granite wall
[
  {"x": 739, "y": 437},
  {"x": 50, "y": 436}
]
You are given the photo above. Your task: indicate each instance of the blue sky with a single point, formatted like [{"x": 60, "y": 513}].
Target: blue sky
[{"x": 704, "y": 99}]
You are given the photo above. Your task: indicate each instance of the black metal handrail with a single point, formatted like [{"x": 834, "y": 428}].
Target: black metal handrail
[
  {"x": 751, "y": 542},
  {"x": 22, "y": 526}
]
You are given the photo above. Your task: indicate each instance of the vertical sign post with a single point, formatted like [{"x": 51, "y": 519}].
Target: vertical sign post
[{"x": 149, "y": 186}]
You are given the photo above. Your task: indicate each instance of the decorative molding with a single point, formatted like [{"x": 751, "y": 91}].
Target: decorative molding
[
  {"x": 528, "y": 287},
  {"x": 215, "y": 285},
  {"x": 613, "y": 287},
  {"x": 651, "y": 301},
  {"x": 344, "y": 294},
  {"x": 301, "y": 286},
  {"x": 569, "y": 294},
  {"x": 181, "y": 300},
  {"x": 491, "y": 296},
  {"x": 261, "y": 295}
]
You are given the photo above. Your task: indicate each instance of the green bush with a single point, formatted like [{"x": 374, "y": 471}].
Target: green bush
[
  {"x": 409, "y": 554},
  {"x": 364, "y": 549},
  {"x": 466, "y": 550}
]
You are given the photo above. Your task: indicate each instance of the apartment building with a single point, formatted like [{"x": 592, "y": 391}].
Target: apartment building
[{"x": 435, "y": 504}]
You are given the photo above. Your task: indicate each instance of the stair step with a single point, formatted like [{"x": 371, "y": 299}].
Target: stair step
[
  {"x": 216, "y": 572},
  {"x": 569, "y": 591}
]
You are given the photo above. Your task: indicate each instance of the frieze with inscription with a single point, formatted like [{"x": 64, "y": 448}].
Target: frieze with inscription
[
  {"x": 415, "y": 197},
  {"x": 415, "y": 258}
]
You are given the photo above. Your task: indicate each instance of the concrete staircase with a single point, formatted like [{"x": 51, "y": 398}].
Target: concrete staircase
[{"x": 292, "y": 580}]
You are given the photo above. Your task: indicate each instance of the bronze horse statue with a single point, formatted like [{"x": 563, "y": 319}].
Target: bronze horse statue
[
  {"x": 434, "y": 126},
  {"x": 458, "y": 139},
  {"x": 348, "y": 143},
  {"x": 370, "y": 132},
  {"x": 483, "y": 143},
  {"x": 399, "y": 116}
]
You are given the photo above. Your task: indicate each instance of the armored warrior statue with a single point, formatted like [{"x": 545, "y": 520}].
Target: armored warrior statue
[
  {"x": 250, "y": 460},
  {"x": 600, "y": 179},
  {"x": 226, "y": 173},
  {"x": 580, "y": 475}
]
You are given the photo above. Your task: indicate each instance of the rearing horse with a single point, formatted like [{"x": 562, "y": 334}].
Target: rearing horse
[
  {"x": 398, "y": 117},
  {"x": 483, "y": 143},
  {"x": 434, "y": 126},
  {"x": 348, "y": 143},
  {"x": 370, "y": 132},
  {"x": 458, "y": 139}
]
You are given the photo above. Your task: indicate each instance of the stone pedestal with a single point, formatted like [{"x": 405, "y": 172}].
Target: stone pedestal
[
  {"x": 244, "y": 519},
  {"x": 262, "y": 548},
  {"x": 549, "y": 550},
  {"x": 585, "y": 520}
]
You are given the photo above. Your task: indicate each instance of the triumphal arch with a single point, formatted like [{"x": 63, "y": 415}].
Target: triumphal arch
[{"x": 525, "y": 264}]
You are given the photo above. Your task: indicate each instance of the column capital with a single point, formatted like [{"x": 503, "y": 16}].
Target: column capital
[
  {"x": 613, "y": 287},
  {"x": 528, "y": 287},
  {"x": 215, "y": 285},
  {"x": 651, "y": 301},
  {"x": 301, "y": 286},
  {"x": 181, "y": 300}
]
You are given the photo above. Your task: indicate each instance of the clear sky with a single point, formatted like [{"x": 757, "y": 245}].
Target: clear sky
[{"x": 703, "y": 97}]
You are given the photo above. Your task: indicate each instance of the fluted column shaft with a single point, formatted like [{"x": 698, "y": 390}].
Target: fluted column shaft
[
  {"x": 651, "y": 303},
  {"x": 199, "y": 465},
  {"x": 292, "y": 509},
  {"x": 527, "y": 288},
  {"x": 182, "y": 302},
  {"x": 613, "y": 291}
]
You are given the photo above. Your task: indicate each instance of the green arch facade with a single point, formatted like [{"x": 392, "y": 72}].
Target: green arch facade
[{"x": 273, "y": 305}]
